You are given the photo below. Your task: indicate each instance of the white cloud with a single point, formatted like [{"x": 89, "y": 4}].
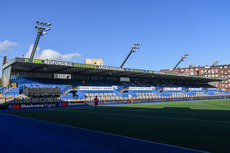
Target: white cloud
[
  {"x": 30, "y": 50},
  {"x": 53, "y": 55},
  {"x": 4, "y": 45}
]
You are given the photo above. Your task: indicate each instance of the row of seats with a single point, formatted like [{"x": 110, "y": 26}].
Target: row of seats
[
  {"x": 40, "y": 82},
  {"x": 103, "y": 96},
  {"x": 219, "y": 93},
  {"x": 146, "y": 95},
  {"x": 151, "y": 95},
  {"x": 139, "y": 95},
  {"x": 67, "y": 84},
  {"x": 179, "y": 94},
  {"x": 201, "y": 94}
]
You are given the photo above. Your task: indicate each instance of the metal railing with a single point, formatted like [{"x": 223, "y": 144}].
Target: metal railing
[
  {"x": 66, "y": 89},
  {"x": 2, "y": 90}
]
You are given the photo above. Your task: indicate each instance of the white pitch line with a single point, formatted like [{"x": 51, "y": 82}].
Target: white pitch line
[{"x": 145, "y": 116}]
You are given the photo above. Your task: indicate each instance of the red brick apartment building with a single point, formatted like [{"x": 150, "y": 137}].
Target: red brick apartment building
[{"x": 219, "y": 71}]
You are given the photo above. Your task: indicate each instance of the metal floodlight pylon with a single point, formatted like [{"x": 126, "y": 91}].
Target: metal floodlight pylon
[
  {"x": 135, "y": 47},
  {"x": 182, "y": 59},
  {"x": 213, "y": 64},
  {"x": 41, "y": 28}
]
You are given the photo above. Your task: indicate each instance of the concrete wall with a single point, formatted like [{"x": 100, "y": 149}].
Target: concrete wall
[{"x": 6, "y": 76}]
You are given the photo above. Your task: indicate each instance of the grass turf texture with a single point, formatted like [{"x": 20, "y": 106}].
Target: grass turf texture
[{"x": 202, "y": 125}]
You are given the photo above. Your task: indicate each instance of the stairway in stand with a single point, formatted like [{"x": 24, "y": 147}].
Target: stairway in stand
[
  {"x": 73, "y": 87},
  {"x": 6, "y": 91}
]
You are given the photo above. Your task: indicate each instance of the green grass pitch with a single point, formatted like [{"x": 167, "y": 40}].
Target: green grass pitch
[{"x": 202, "y": 125}]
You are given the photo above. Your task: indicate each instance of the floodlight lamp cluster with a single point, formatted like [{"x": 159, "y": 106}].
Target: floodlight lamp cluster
[
  {"x": 135, "y": 47},
  {"x": 42, "y": 26},
  {"x": 215, "y": 63},
  {"x": 43, "y": 23},
  {"x": 185, "y": 57}
]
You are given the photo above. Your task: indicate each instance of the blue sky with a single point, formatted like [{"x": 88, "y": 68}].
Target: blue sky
[{"x": 107, "y": 29}]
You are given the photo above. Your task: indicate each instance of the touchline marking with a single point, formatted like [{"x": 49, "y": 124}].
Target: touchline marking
[
  {"x": 111, "y": 134},
  {"x": 145, "y": 116}
]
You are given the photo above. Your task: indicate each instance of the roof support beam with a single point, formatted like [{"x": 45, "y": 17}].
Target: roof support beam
[
  {"x": 142, "y": 76},
  {"x": 133, "y": 75},
  {"x": 121, "y": 74},
  {"x": 78, "y": 72},
  {"x": 40, "y": 66},
  {"x": 101, "y": 72},
  {"x": 64, "y": 68}
]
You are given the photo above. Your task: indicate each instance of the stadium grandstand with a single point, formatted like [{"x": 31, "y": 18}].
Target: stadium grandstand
[{"x": 28, "y": 80}]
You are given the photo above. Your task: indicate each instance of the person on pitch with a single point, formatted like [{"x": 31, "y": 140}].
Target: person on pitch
[{"x": 96, "y": 100}]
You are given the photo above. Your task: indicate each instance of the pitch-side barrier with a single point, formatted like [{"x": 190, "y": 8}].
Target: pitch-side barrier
[{"x": 45, "y": 102}]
